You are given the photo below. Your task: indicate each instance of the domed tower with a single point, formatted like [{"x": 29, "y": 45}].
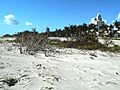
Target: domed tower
[
  {"x": 99, "y": 17},
  {"x": 99, "y": 22}
]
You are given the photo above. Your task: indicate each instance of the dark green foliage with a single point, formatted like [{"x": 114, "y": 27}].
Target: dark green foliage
[
  {"x": 111, "y": 49},
  {"x": 117, "y": 25},
  {"x": 77, "y": 44},
  {"x": 7, "y": 35}
]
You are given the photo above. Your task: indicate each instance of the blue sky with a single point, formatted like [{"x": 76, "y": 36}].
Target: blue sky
[{"x": 19, "y": 15}]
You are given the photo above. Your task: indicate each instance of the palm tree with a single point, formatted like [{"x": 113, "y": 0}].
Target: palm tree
[{"x": 47, "y": 31}]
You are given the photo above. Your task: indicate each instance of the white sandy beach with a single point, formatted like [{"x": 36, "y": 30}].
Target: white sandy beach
[{"x": 71, "y": 69}]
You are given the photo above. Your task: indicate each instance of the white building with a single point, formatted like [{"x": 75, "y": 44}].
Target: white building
[{"x": 97, "y": 21}]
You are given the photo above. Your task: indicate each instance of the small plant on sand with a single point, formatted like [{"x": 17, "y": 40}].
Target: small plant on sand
[{"x": 33, "y": 42}]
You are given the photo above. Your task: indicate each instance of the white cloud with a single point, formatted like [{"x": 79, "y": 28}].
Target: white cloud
[
  {"x": 10, "y": 19},
  {"x": 113, "y": 21},
  {"x": 93, "y": 21},
  {"x": 105, "y": 21},
  {"x": 118, "y": 17},
  {"x": 28, "y": 23}
]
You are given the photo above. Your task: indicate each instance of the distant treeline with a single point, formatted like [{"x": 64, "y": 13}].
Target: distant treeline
[{"x": 74, "y": 30}]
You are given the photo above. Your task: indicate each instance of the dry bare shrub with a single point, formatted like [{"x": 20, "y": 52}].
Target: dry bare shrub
[{"x": 32, "y": 43}]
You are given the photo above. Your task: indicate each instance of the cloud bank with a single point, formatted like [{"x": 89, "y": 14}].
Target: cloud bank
[
  {"x": 10, "y": 19},
  {"x": 118, "y": 17},
  {"x": 28, "y": 23},
  {"x": 93, "y": 21},
  {"x": 105, "y": 21}
]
